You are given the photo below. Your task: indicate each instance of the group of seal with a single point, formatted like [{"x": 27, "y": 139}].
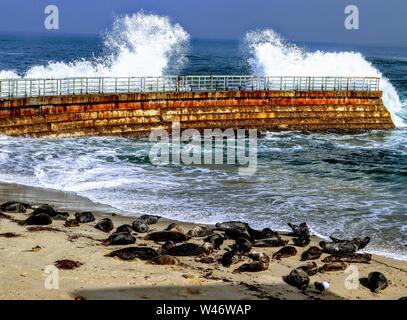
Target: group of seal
[{"x": 174, "y": 242}]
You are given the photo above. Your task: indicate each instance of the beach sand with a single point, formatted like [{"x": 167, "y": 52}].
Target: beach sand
[{"x": 25, "y": 258}]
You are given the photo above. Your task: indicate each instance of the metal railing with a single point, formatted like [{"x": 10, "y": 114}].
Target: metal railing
[{"x": 18, "y": 88}]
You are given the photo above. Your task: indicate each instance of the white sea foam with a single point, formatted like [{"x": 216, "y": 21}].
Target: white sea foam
[
  {"x": 138, "y": 45},
  {"x": 272, "y": 55}
]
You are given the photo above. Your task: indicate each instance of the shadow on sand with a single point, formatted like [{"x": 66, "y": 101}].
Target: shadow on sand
[{"x": 205, "y": 292}]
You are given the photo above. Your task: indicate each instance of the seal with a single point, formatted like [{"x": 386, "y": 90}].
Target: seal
[
  {"x": 312, "y": 253},
  {"x": 256, "y": 266},
  {"x": 200, "y": 231},
  {"x": 270, "y": 242},
  {"x": 84, "y": 217},
  {"x": 124, "y": 228},
  {"x": 311, "y": 268},
  {"x": 167, "y": 236},
  {"x": 70, "y": 223},
  {"x": 40, "y": 219},
  {"x": 321, "y": 286},
  {"x": 215, "y": 239},
  {"x": 13, "y": 206},
  {"x": 185, "y": 250},
  {"x": 302, "y": 241},
  {"x": 140, "y": 226},
  {"x": 61, "y": 216},
  {"x": 164, "y": 260},
  {"x": 222, "y": 226},
  {"x": 340, "y": 248},
  {"x": 175, "y": 227},
  {"x": 242, "y": 246},
  {"x": 46, "y": 209},
  {"x": 149, "y": 219},
  {"x": 361, "y": 242},
  {"x": 351, "y": 258},
  {"x": 259, "y": 256},
  {"x": 131, "y": 253},
  {"x": 120, "y": 238},
  {"x": 333, "y": 266},
  {"x": 105, "y": 225},
  {"x": 232, "y": 233},
  {"x": 168, "y": 245},
  {"x": 208, "y": 247},
  {"x": 297, "y": 278},
  {"x": 377, "y": 281},
  {"x": 300, "y": 230},
  {"x": 285, "y": 252},
  {"x": 262, "y": 234},
  {"x": 229, "y": 258}
]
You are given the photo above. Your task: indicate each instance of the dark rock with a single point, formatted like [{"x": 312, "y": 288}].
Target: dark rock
[
  {"x": 84, "y": 217},
  {"x": 105, "y": 225},
  {"x": 120, "y": 238}
]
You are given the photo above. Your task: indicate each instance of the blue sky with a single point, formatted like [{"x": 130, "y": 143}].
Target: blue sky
[{"x": 381, "y": 21}]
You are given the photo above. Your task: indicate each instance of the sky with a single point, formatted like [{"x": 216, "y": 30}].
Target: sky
[{"x": 381, "y": 22}]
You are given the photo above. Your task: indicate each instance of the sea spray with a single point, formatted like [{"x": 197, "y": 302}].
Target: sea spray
[
  {"x": 138, "y": 45},
  {"x": 271, "y": 55}
]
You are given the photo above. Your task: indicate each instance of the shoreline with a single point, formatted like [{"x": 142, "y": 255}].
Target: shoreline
[
  {"x": 24, "y": 260},
  {"x": 71, "y": 201}
]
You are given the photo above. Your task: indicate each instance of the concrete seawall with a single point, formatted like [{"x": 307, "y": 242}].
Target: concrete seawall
[{"x": 139, "y": 113}]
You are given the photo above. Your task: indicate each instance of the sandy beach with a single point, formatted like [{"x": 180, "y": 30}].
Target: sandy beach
[{"x": 25, "y": 257}]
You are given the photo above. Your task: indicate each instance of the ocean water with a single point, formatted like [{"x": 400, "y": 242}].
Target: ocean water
[{"x": 342, "y": 185}]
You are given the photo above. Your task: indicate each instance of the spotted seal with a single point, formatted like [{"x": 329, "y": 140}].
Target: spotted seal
[
  {"x": 140, "y": 226},
  {"x": 285, "y": 252},
  {"x": 351, "y": 258},
  {"x": 361, "y": 242},
  {"x": 131, "y": 253},
  {"x": 229, "y": 258},
  {"x": 298, "y": 278},
  {"x": 164, "y": 260},
  {"x": 242, "y": 246},
  {"x": 13, "y": 206},
  {"x": 311, "y": 268},
  {"x": 333, "y": 266},
  {"x": 302, "y": 241},
  {"x": 167, "y": 236},
  {"x": 300, "y": 230},
  {"x": 71, "y": 223},
  {"x": 222, "y": 226},
  {"x": 175, "y": 227},
  {"x": 186, "y": 249},
  {"x": 44, "y": 208},
  {"x": 340, "y": 248},
  {"x": 266, "y": 233},
  {"x": 120, "y": 238},
  {"x": 270, "y": 243},
  {"x": 208, "y": 247},
  {"x": 149, "y": 219},
  {"x": 40, "y": 219},
  {"x": 377, "y": 281},
  {"x": 255, "y": 266},
  {"x": 215, "y": 239},
  {"x": 105, "y": 225},
  {"x": 124, "y": 228},
  {"x": 312, "y": 253},
  {"x": 232, "y": 233},
  {"x": 200, "y": 231},
  {"x": 84, "y": 217}
]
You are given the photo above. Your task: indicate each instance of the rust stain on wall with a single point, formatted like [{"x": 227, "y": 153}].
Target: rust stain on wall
[{"x": 139, "y": 113}]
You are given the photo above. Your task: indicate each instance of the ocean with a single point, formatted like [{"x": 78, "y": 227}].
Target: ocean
[{"x": 343, "y": 185}]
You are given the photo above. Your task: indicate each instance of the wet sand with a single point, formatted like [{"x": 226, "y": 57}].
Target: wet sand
[{"x": 25, "y": 258}]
